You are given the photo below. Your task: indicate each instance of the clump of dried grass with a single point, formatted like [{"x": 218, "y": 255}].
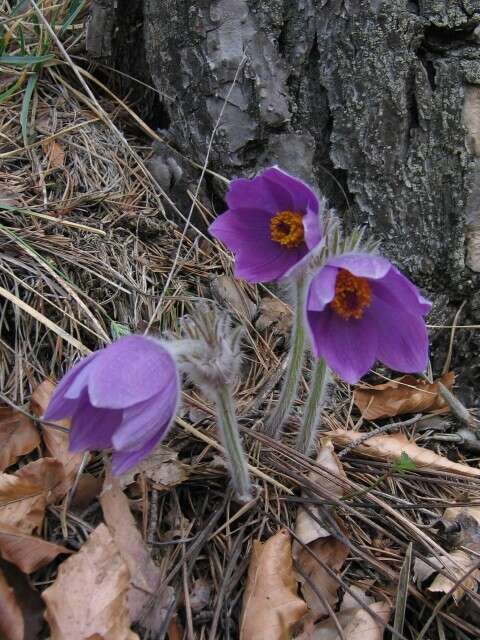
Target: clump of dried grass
[{"x": 88, "y": 243}]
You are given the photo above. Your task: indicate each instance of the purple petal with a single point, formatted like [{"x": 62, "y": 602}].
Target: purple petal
[
  {"x": 259, "y": 193},
  {"x": 140, "y": 423},
  {"x": 61, "y": 405},
  {"x": 312, "y": 228},
  {"x": 129, "y": 371},
  {"x": 402, "y": 336},
  {"x": 93, "y": 428},
  {"x": 321, "y": 290},
  {"x": 239, "y": 227},
  {"x": 255, "y": 265},
  {"x": 363, "y": 265},
  {"x": 124, "y": 460},
  {"x": 348, "y": 346},
  {"x": 302, "y": 197},
  {"x": 395, "y": 288}
]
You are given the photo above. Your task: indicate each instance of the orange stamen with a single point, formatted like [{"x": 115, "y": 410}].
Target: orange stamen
[
  {"x": 352, "y": 295},
  {"x": 286, "y": 228}
]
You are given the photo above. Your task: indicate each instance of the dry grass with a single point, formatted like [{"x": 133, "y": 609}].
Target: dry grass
[{"x": 88, "y": 244}]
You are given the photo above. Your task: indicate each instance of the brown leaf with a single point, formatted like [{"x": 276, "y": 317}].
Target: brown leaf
[
  {"x": 357, "y": 624},
  {"x": 230, "y": 293},
  {"x": 274, "y": 314},
  {"x": 145, "y": 575},
  {"x": 11, "y": 619},
  {"x": 87, "y": 490},
  {"x": 18, "y": 436},
  {"x": 22, "y": 503},
  {"x": 403, "y": 395},
  {"x": 27, "y": 552},
  {"x": 270, "y": 602},
  {"x": 390, "y": 447},
  {"x": 88, "y": 600},
  {"x": 48, "y": 474},
  {"x": 28, "y": 599},
  {"x": 56, "y": 442},
  {"x": 54, "y": 153},
  {"x": 162, "y": 467},
  {"x": 310, "y": 531},
  {"x": 200, "y": 594}
]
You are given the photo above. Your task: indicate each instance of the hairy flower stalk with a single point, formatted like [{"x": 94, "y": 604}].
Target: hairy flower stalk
[
  {"x": 212, "y": 361},
  {"x": 307, "y": 435},
  {"x": 273, "y": 426},
  {"x": 230, "y": 436}
]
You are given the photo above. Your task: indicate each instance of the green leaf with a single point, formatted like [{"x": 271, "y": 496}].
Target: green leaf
[
  {"x": 404, "y": 463},
  {"x": 11, "y": 90},
  {"x": 23, "y": 61},
  {"x": 73, "y": 10},
  {"x": 32, "y": 81},
  {"x": 118, "y": 330}
]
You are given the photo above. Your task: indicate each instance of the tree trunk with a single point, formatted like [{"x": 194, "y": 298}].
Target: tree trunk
[{"x": 375, "y": 102}]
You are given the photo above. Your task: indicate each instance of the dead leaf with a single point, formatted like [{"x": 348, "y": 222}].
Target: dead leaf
[
  {"x": 270, "y": 602},
  {"x": 145, "y": 575},
  {"x": 88, "y": 599},
  {"x": 230, "y": 293},
  {"x": 403, "y": 395},
  {"x": 357, "y": 624},
  {"x": 27, "y": 552},
  {"x": 56, "y": 442},
  {"x": 22, "y": 503},
  {"x": 54, "y": 153},
  {"x": 274, "y": 314},
  {"x": 458, "y": 563},
  {"x": 391, "y": 447},
  {"x": 28, "y": 599},
  {"x": 310, "y": 531},
  {"x": 18, "y": 436},
  {"x": 11, "y": 619},
  {"x": 200, "y": 594},
  {"x": 87, "y": 490},
  {"x": 48, "y": 474},
  {"x": 162, "y": 467}
]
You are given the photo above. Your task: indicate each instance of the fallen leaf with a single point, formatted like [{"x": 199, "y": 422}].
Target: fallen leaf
[
  {"x": 88, "y": 599},
  {"x": 145, "y": 575},
  {"x": 230, "y": 293},
  {"x": 28, "y": 599},
  {"x": 162, "y": 467},
  {"x": 458, "y": 563},
  {"x": 357, "y": 624},
  {"x": 87, "y": 490},
  {"x": 11, "y": 619},
  {"x": 18, "y": 436},
  {"x": 391, "y": 447},
  {"x": 54, "y": 153},
  {"x": 22, "y": 503},
  {"x": 403, "y": 395},
  {"x": 56, "y": 442},
  {"x": 310, "y": 531},
  {"x": 270, "y": 602},
  {"x": 200, "y": 594},
  {"x": 274, "y": 314},
  {"x": 48, "y": 474},
  {"x": 27, "y": 552}
]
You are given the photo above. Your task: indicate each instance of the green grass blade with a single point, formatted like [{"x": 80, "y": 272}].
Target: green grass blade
[
  {"x": 32, "y": 81},
  {"x": 73, "y": 10},
  {"x": 23, "y": 61},
  {"x": 11, "y": 90}
]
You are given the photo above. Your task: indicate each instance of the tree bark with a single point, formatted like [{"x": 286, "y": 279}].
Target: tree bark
[{"x": 375, "y": 102}]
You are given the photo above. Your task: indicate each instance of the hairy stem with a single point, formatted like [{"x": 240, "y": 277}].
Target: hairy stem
[
  {"x": 273, "y": 426},
  {"x": 307, "y": 435},
  {"x": 230, "y": 435}
]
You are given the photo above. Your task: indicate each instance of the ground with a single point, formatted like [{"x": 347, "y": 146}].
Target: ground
[{"x": 92, "y": 248}]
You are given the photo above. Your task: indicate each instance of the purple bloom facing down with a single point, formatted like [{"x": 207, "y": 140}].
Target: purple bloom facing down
[
  {"x": 360, "y": 309},
  {"x": 271, "y": 223},
  {"x": 123, "y": 397}
]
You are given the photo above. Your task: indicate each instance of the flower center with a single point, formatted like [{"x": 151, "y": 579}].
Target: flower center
[
  {"x": 286, "y": 228},
  {"x": 352, "y": 295}
]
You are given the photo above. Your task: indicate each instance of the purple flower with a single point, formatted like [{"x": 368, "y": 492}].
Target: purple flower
[
  {"x": 271, "y": 223},
  {"x": 360, "y": 308},
  {"x": 123, "y": 397}
]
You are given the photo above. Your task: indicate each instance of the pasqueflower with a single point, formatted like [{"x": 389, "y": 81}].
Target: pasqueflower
[
  {"x": 271, "y": 223},
  {"x": 123, "y": 397},
  {"x": 359, "y": 309}
]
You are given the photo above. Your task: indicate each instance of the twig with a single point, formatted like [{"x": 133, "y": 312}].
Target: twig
[{"x": 375, "y": 432}]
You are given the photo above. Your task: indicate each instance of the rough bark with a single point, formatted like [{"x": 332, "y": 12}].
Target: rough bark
[{"x": 376, "y": 102}]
